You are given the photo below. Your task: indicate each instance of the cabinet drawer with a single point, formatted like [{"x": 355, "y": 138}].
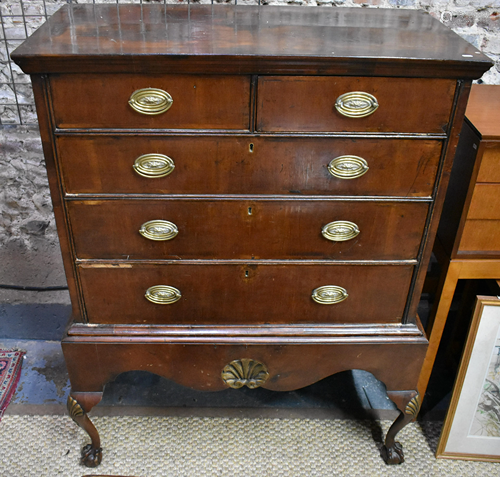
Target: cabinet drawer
[
  {"x": 248, "y": 165},
  {"x": 489, "y": 170},
  {"x": 270, "y": 229},
  {"x": 481, "y": 236},
  {"x": 244, "y": 294},
  {"x": 305, "y": 103},
  {"x": 199, "y": 102},
  {"x": 485, "y": 203}
]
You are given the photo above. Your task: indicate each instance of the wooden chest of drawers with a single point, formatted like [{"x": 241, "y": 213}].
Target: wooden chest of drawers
[
  {"x": 468, "y": 238},
  {"x": 246, "y": 195},
  {"x": 471, "y": 227}
]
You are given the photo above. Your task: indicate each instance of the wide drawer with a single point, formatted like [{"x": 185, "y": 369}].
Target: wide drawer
[
  {"x": 243, "y": 293},
  {"x": 270, "y": 229},
  {"x": 308, "y": 103},
  {"x": 248, "y": 165},
  {"x": 102, "y": 101}
]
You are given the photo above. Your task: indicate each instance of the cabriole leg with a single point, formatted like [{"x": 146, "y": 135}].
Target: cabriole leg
[
  {"x": 392, "y": 451},
  {"x": 91, "y": 453}
]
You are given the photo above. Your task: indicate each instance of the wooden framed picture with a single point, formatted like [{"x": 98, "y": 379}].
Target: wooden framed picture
[{"x": 472, "y": 426}]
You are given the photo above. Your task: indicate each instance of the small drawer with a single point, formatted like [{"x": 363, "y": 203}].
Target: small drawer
[
  {"x": 231, "y": 229},
  {"x": 248, "y": 165},
  {"x": 481, "y": 236},
  {"x": 325, "y": 104},
  {"x": 489, "y": 171},
  {"x": 194, "y": 102},
  {"x": 485, "y": 203},
  {"x": 243, "y": 293}
]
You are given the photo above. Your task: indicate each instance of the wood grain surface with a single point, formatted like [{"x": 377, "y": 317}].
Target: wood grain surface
[
  {"x": 485, "y": 202},
  {"x": 201, "y": 102},
  {"x": 246, "y": 39},
  {"x": 479, "y": 236},
  {"x": 293, "y": 166},
  {"x": 489, "y": 170},
  {"x": 248, "y": 293},
  {"x": 199, "y": 367},
  {"x": 297, "y": 103},
  {"x": 483, "y": 110},
  {"x": 248, "y": 228}
]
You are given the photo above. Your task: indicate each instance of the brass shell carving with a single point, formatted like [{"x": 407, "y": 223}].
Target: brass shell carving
[
  {"x": 356, "y": 104},
  {"x": 153, "y": 166},
  {"x": 245, "y": 372},
  {"x": 348, "y": 167},
  {"x": 413, "y": 407},
  {"x": 74, "y": 409},
  {"x": 159, "y": 230},
  {"x": 163, "y": 294},
  {"x": 329, "y": 294},
  {"x": 150, "y": 101},
  {"x": 340, "y": 231}
]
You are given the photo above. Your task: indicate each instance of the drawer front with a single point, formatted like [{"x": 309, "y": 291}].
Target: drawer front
[
  {"x": 249, "y": 165},
  {"x": 109, "y": 229},
  {"x": 304, "y": 103},
  {"x": 244, "y": 294},
  {"x": 102, "y": 101},
  {"x": 481, "y": 236},
  {"x": 485, "y": 203},
  {"x": 489, "y": 171}
]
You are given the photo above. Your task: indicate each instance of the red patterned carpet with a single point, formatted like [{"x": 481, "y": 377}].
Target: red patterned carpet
[{"x": 11, "y": 363}]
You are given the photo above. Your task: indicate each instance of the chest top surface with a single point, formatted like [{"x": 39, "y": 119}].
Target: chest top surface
[{"x": 248, "y": 39}]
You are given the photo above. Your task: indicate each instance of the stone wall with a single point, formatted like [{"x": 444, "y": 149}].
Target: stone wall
[
  {"x": 26, "y": 209},
  {"x": 26, "y": 219}
]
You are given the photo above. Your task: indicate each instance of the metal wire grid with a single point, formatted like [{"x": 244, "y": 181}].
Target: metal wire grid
[{"x": 19, "y": 19}]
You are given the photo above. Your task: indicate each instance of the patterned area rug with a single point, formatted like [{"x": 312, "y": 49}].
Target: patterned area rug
[{"x": 11, "y": 363}]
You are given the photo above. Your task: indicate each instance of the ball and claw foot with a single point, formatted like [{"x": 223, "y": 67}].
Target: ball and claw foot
[
  {"x": 91, "y": 453},
  {"x": 392, "y": 451},
  {"x": 91, "y": 457},
  {"x": 393, "y": 455}
]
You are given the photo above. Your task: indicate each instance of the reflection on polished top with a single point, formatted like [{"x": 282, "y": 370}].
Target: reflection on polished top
[{"x": 243, "y": 39}]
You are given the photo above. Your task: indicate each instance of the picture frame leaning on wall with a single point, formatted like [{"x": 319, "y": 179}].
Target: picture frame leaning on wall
[{"x": 471, "y": 429}]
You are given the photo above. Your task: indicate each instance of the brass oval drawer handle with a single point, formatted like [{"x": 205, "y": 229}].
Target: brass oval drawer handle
[
  {"x": 159, "y": 230},
  {"x": 162, "y": 294},
  {"x": 150, "y": 101},
  {"x": 329, "y": 295},
  {"x": 348, "y": 167},
  {"x": 356, "y": 104},
  {"x": 153, "y": 165},
  {"x": 245, "y": 372},
  {"x": 340, "y": 231}
]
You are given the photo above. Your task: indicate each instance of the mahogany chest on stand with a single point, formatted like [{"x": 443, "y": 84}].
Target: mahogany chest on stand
[{"x": 246, "y": 195}]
